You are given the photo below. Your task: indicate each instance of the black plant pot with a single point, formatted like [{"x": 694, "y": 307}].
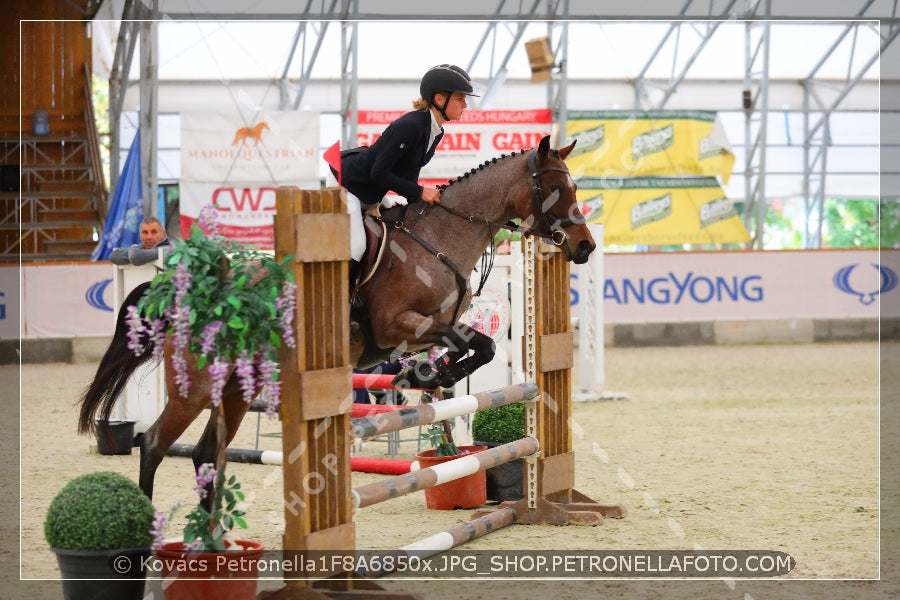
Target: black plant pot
[
  {"x": 120, "y": 439},
  {"x": 505, "y": 482},
  {"x": 102, "y": 574}
]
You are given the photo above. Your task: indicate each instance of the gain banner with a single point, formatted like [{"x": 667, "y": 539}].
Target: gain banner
[
  {"x": 237, "y": 163},
  {"x": 633, "y": 144},
  {"x": 661, "y": 210}
]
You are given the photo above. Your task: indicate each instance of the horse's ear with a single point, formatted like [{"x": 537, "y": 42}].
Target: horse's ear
[
  {"x": 564, "y": 152},
  {"x": 544, "y": 146}
]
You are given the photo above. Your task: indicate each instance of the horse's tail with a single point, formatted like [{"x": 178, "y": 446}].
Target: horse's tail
[{"x": 115, "y": 368}]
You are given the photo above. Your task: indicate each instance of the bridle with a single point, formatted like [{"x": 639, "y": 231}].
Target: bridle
[
  {"x": 557, "y": 234},
  {"x": 554, "y": 231}
]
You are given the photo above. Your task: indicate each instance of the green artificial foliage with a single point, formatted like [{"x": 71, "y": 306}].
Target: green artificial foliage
[
  {"x": 443, "y": 446},
  {"x": 501, "y": 424},
  {"x": 99, "y": 511}
]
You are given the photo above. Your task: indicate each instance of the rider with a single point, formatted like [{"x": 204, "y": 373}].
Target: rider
[{"x": 393, "y": 161}]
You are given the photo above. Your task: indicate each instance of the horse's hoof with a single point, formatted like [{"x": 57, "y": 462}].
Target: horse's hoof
[{"x": 419, "y": 374}]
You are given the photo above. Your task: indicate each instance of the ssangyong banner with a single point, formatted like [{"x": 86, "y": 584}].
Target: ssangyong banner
[
  {"x": 479, "y": 136},
  {"x": 76, "y": 300},
  {"x": 747, "y": 285},
  {"x": 236, "y": 163}
]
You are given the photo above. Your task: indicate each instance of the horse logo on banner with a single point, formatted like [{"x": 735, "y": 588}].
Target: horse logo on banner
[{"x": 254, "y": 133}]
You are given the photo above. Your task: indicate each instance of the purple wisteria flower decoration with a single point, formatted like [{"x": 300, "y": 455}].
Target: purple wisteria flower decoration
[
  {"x": 286, "y": 305},
  {"x": 245, "y": 370},
  {"x": 158, "y": 529},
  {"x": 209, "y": 337},
  {"x": 206, "y": 474},
  {"x": 219, "y": 371},
  {"x": 208, "y": 220},
  {"x": 271, "y": 392},
  {"x": 135, "y": 329}
]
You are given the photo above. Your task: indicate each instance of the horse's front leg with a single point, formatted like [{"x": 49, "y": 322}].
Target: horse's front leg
[
  {"x": 456, "y": 364},
  {"x": 459, "y": 364}
]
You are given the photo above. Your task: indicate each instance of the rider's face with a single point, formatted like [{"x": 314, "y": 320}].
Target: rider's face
[{"x": 455, "y": 107}]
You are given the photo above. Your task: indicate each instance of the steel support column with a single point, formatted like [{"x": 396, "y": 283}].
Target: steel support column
[{"x": 756, "y": 116}]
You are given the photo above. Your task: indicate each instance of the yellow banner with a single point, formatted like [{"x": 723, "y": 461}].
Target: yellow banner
[
  {"x": 633, "y": 144},
  {"x": 661, "y": 210}
]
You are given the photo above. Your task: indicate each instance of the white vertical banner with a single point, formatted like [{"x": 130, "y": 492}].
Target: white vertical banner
[
  {"x": 591, "y": 371},
  {"x": 236, "y": 163}
]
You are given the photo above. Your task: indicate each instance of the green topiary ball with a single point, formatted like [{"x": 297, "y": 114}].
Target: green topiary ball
[
  {"x": 99, "y": 511},
  {"x": 501, "y": 424}
]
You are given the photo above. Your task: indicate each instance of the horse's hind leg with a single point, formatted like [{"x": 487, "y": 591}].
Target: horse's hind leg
[
  {"x": 159, "y": 437},
  {"x": 233, "y": 408}
]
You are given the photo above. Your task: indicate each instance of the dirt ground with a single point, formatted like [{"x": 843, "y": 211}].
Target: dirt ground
[{"x": 765, "y": 447}]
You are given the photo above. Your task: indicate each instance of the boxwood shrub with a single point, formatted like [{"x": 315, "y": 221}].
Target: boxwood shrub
[
  {"x": 501, "y": 424},
  {"x": 99, "y": 511}
]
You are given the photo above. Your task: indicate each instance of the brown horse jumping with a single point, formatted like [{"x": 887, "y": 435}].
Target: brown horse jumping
[{"x": 412, "y": 301}]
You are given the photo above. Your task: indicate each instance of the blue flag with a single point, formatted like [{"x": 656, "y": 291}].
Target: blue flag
[{"x": 123, "y": 222}]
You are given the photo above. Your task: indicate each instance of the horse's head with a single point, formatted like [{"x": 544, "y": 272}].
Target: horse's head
[{"x": 553, "y": 210}]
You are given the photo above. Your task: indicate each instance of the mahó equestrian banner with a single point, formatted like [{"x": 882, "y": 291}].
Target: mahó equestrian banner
[
  {"x": 632, "y": 144},
  {"x": 237, "y": 162},
  {"x": 661, "y": 210}
]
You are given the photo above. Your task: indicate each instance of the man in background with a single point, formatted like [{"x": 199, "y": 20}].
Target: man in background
[{"x": 153, "y": 237}]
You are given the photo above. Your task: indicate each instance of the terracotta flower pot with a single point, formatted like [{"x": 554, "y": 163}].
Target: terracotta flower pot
[
  {"x": 230, "y": 575},
  {"x": 465, "y": 492}
]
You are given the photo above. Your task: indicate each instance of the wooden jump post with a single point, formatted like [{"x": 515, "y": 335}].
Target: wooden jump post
[{"x": 317, "y": 431}]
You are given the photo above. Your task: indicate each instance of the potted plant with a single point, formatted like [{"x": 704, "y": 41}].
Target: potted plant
[
  {"x": 191, "y": 567},
  {"x": 465, "y": 492},
  {"x": 98, "y": 525},
  {"x": 495, "y": 427}
]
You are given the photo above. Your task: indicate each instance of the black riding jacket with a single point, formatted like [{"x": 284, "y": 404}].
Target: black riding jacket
[{"x": 392, "y": 162}]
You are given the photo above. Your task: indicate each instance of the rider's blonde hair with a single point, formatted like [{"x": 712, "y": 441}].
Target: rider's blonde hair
[{"x": 421, "y": 104}]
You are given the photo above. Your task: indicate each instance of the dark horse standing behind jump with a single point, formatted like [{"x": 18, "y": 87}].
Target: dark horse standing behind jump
[{"x": 412, "y": 301}]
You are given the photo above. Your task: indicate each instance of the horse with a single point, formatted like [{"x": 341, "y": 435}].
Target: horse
[
  {"x": 411, "y": 301},
  {"x": 254, "y": 133}
]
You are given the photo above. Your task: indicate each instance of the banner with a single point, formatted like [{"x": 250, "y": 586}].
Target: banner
[
  {"x": 9, "y": 302},
  {"x": 633, "y": 144},
  {"x": 653, "y": 287},
  {"x": 237, "y": 166},
  {"x": 661, "y": 210},
  {"x": 76, "y": 300},
  {"x": 479, "y": 136},
  {"x": 63, "y": 301}
]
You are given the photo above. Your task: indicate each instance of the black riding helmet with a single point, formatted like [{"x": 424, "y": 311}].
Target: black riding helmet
[{"x": 445, "y": 78}]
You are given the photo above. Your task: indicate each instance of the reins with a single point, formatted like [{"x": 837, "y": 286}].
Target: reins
[{"x": 556, "y": 233}]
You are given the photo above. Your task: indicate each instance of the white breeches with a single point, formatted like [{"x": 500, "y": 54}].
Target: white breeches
[{"x": 357, "y": 233}]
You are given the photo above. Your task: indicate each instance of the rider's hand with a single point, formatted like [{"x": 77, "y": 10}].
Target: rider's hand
[{"x": 431, "y": 195}]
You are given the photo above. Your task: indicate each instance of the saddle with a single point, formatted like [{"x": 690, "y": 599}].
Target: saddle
[{"x": 375, "y": 234}]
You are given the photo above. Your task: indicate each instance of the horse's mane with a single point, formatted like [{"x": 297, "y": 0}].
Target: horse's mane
[{"x": 480, "y": 167}]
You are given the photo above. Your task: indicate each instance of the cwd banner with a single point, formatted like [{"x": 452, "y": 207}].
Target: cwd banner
[
  {"x": 633, "y": 144},
  {"x": 661, "y": 210},
  {"x": 479, "y": 136},
  {"x": 236, "y": 164}
]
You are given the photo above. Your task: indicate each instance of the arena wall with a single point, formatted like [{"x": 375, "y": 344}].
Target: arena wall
[{"x": 64, "y": 313}]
